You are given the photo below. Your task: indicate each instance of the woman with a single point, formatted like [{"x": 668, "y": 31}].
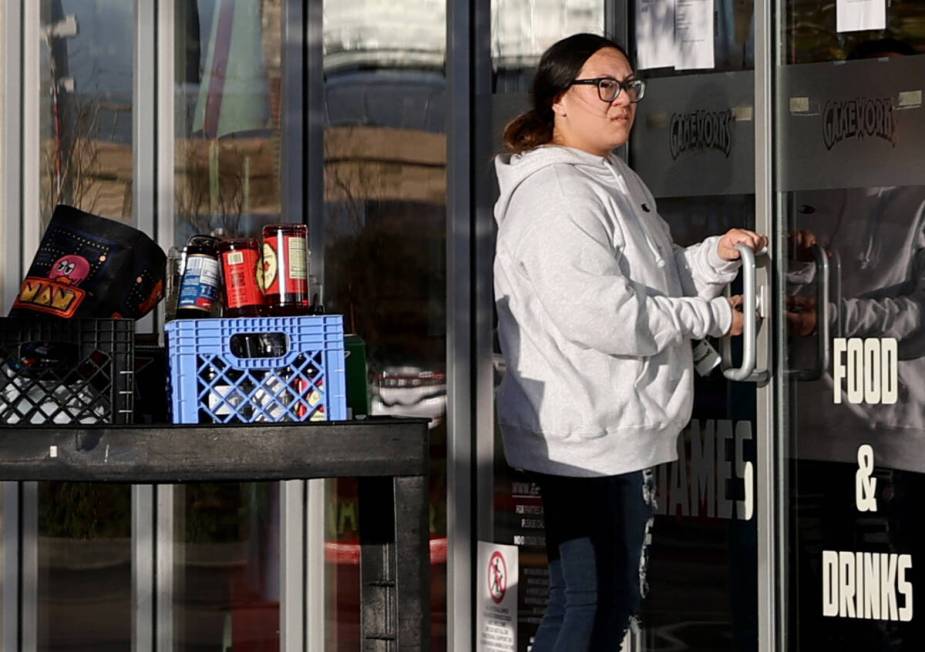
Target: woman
[{"x": 596, "y": 310}]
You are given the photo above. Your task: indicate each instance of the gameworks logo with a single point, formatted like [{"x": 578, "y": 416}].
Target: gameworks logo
[
  {"x": 701, "y": 130},
  {"x": 858, "y": 119}
]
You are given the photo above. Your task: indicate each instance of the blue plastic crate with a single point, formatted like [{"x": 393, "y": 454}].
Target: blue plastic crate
[{"x": 254, "y": 369}]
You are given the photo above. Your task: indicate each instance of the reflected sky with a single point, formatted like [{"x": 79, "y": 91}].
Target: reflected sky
[{"x": 371, "y": 34}]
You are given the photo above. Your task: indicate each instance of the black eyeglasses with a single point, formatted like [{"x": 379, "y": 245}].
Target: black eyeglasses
[{"x": 608, "y": 88}]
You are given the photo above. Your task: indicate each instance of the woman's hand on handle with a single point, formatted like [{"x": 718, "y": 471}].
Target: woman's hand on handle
[{"x": 726, "y": 248}]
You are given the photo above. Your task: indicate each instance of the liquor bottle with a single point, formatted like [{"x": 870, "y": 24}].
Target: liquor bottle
[
  {"x": 176, "y": 259},
  {"x": 199, "y": 287},
  {"x": 285, "y": 269}
]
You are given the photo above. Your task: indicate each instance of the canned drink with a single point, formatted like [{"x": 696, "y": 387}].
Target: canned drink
[
  {"x": 201, "y": 280},
  {"x": 241, "y": 270}
]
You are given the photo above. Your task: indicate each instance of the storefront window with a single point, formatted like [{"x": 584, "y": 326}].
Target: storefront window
[
  {"x": 385, "y": 227},
  {"x": 227, "y": 182},
  {"x": 85, "y": 102}
]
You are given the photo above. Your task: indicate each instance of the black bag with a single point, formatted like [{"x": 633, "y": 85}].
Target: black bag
[{"x": 90, "y": 266}]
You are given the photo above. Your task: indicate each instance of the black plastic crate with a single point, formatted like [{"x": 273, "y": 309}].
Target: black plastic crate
[{"x": 77, "y": 371}]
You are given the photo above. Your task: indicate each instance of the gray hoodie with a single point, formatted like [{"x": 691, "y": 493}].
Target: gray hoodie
[{"x": 596, "y": 310}]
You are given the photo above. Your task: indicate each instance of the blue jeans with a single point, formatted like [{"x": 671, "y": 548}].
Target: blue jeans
[{"x": 596, "y": 529}]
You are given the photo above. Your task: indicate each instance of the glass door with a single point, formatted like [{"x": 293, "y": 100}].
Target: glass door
[
  {"x": 851, "y": 255},
  {"x": 694, "y": 146}
]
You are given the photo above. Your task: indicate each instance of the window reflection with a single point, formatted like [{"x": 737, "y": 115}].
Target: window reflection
[
  {"x": 810, "y": 33},
  {"x": 522, "y": 29},
  {"x": 384, "y": 254},
  {"x": 86, "y": 106},
  {"x": 226, "y": 552},
  {"x": 380, "y": 34},
  {"x": 227, "y": 110},
  {"x": 84, "y": 566}
]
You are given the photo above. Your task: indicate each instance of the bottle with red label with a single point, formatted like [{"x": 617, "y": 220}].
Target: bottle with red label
[
  {"x": 285, "y": 269},
  {"x": 201, "y": 278},
  {"x": 241, "y": 272}
]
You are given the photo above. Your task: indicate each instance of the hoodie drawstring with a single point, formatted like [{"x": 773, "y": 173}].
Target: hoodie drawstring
[{"x": 621, "y": 180}]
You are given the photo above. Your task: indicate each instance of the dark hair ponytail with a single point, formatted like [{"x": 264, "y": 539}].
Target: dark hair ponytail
[
  {"x": 527, "y": 131},
  {"x": 557, "y": 69}
]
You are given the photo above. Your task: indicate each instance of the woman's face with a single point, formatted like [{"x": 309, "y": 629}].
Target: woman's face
[{"x": 583, "y": 120}]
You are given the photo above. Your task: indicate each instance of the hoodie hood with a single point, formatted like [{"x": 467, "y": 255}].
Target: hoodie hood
[{"x": 513, "y": 169}]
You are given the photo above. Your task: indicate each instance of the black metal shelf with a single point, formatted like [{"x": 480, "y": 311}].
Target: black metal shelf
[
  {"x": 378, "y": 446},
  {"x": 390, "y": 456}
]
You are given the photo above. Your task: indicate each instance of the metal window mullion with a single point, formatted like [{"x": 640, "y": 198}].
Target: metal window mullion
[
  {"x": 291, "y": 566},
  {"x": 167, "y": 554},
  {"x": 617, "y": 27},
  {"x": 30, "y": 235},
  {"x": 313, "y": 170},
  {"x": 294, "y": 569},
  {"x": 167, "y": 559},
  {"x": 164, "y": 134},
  {"x": 483, "y": 291},
  {"x": 11, "y": 177},
  {"x": 616, "y": 21},
  {"x": 144, "y": 112},
  {"x": 315, "y": 586},
  {"x": 9, "y": 557},
  {"x": 767, "y": 480},
  {"x": 292, "y": 119},
  {"x": 459, "y": 220},
  {"x": 143, "y": 569},
  {"x": 11, "y": 213},
  {"x": 29, "y": 566},
  {"x": 31, "y": 146},
  {"x": 313, "y": 202}
]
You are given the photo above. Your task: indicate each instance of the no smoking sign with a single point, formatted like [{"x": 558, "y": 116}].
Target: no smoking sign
[{"x": 497, "y": 577}]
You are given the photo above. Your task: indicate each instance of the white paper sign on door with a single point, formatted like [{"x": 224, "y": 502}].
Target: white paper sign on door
[
  {"x": 496, "y": 620},
  {"x": 858, "y": 15},
  {"x": 694, "y": 34},
  {"x": 655, "y": 43}
]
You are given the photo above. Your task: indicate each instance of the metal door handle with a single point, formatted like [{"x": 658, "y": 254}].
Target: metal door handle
[
  {"x": 823, "y": 326},
  {"x": 752, "y": 302},
  {"x": 836, "y": 287}
]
